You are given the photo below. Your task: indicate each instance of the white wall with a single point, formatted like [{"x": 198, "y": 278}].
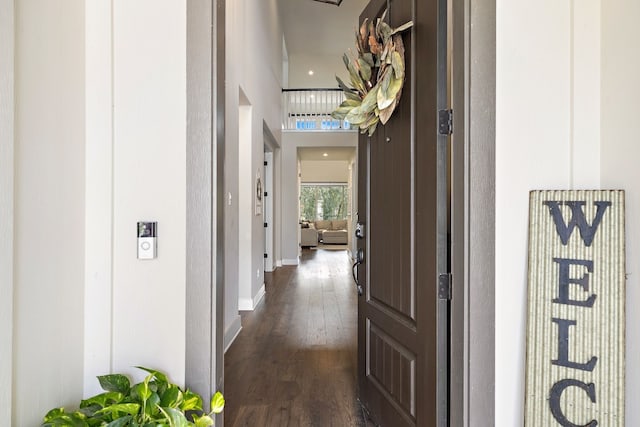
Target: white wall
[
  {"x": 49, "y": 207},
  {"x": 289, "y": 188},
  {"x": 325, "y": 68},
  {"x": 6, "y": 204},
  {"x": 98, "y": 193},
  {"x": 245, "y": 210},
  {"x": 551, "y": 75},
  {"x": 253, "y": 64},
  {"x": 324, "y": 171},
  {"x": 100, "y": 141},
  {"x": 620, "y": 152},
  {"x": 149, "y": 89}
]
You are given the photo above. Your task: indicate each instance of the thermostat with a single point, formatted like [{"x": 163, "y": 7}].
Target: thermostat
[{"x": 147, "y": 240}]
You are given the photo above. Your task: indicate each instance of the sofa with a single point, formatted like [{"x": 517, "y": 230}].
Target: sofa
[
  {"x": 333, "y": 232},
  {"x": 308, "y": 236}
]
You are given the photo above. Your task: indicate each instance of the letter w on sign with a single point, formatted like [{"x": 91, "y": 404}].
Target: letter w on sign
[{"x": 576, "y": 309}]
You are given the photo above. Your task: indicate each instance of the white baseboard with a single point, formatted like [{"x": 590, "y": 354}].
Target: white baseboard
[
  {"x": 290, "y": 261},
  {"x": 259, "y": 296},
  {"x": 249, "y": 304},
  {"x": 232, "y": 332},
  {"x": 279, "y": 263},
  {"x": 245, "y": 304}
]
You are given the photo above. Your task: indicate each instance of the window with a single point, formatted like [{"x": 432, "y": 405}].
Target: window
[{"x": 323, "y": 201}]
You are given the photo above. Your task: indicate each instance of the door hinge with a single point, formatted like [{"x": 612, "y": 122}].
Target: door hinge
[
  {"x": 444, "y": 286},
  {"x": 266, "y": 225},
  {"x": 266, "y": 256},
  {"x": 265, "y": 194},
  {"x": 445, "y": 122},
  {"x": 266, "y": 163}
]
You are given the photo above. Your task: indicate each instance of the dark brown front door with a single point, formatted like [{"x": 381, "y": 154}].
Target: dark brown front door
[{"x": 402, "y": 198}]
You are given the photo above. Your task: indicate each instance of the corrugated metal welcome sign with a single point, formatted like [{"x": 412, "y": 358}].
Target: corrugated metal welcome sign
[{"x": 576, "y": 320}]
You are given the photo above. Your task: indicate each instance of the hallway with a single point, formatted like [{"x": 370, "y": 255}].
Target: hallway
[{"x": 294, "y": 363}]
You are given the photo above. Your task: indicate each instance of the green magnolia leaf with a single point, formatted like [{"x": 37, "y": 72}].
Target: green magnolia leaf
[
  {"x": 217, "y": 402},
  {"x": 353, "y": 96},
  {"x": 191, "y": 401},
  {"x": 403, "y": 27},
  {"x": 383, "y": 99},
  {"x": 120, "y": 422},
  {"x": 384, "y": 31},
  {"x": 384, "y": 54},
  {"x": 372, "y": 129},
  {"x": 203, "y": 421},
  {"x": 380, "y": 21},
  {"x": 339, "y": 115},
  {"x": 394, "y": 87},
  {"x": 172, "y": 397},
  {"x": 365, "y": 69},
  {"x": 117, "y": 409},
  {"x": 385, "y": 114},
  {"x": 103, "y": 399},
  {"x": 398, "y": 65},
  {"x": 115, "y": 382},
  {"x": 369, "y": 101},
  {"x": 356, "y": 80},
  {"x": 351, "y": 103},
  {"x": 356, "y": 117},
  {"x": 368, "y": 58},
  {"x": 344, "y": 87}
]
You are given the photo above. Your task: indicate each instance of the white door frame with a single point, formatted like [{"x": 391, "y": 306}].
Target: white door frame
[{"x": 268, "y": 210}]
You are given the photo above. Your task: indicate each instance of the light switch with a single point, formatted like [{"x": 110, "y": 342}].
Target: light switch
[{"x": 147, "y": 240}]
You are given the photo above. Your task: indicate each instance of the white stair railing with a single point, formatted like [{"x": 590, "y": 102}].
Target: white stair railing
[{"x": 310, "y": 109}]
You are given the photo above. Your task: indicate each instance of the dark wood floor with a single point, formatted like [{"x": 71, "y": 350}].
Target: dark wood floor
[{"x": 294, "y": 363}]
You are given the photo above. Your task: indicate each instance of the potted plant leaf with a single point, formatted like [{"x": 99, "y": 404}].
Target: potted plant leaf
[{"x": 153, "y": 402}]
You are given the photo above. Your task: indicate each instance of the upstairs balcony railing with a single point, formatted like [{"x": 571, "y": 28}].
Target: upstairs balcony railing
[{"x": 310, "y": 109}]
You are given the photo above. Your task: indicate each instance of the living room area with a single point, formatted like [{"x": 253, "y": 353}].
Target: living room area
[{"x": 327, "y": 191}]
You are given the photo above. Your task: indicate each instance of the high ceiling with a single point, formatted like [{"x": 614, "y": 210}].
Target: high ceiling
[{"x": 320, "y": 28}]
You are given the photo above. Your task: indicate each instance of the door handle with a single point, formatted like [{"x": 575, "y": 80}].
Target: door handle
[
  {"x": 354, "y": 270},
  {"x": 359, "y": 230}
]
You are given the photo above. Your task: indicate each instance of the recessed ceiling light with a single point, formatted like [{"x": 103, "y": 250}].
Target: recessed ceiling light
[
  {"x": 311, "y": 72},
  {"x": 325, "y": 154}
]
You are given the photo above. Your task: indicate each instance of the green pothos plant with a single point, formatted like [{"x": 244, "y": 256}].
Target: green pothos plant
[
  {"x": 377, "y": 75},
  {"x": 152, "y": 402}
]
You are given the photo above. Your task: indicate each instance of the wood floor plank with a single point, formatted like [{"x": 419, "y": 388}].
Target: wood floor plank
[{"x": 294, "y": 363}]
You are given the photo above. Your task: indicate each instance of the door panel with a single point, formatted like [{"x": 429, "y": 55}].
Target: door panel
[{"x": 400, "y": 178}]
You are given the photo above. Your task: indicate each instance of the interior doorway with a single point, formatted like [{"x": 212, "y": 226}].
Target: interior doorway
[{"x": 268, "y": 210}]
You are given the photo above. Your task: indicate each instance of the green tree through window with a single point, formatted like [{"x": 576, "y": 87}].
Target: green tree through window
[{"x": 323, "y": 201}]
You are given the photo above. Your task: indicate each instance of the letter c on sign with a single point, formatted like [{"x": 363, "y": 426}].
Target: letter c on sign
[{"x": 556, "y": 393}]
